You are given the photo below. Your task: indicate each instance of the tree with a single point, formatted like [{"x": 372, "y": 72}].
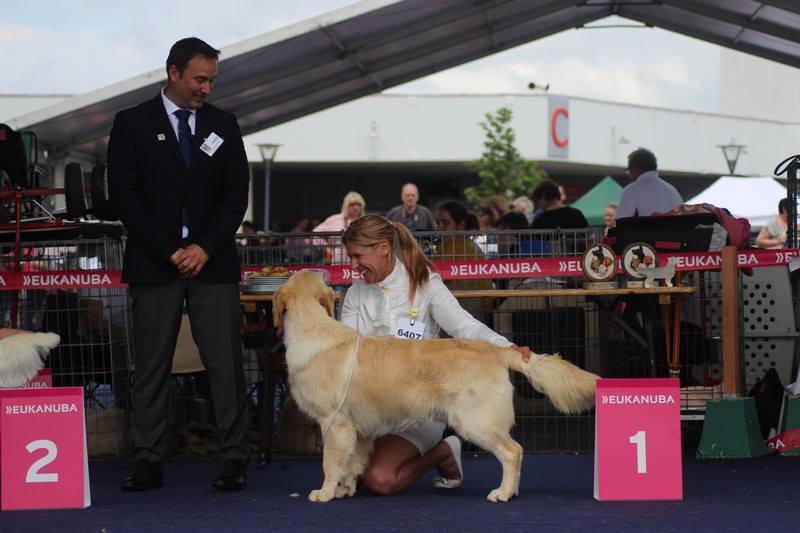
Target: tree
[{"x": 502, "y": 169}]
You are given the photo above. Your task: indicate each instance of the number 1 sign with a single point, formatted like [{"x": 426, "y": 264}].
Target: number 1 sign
[
  {"x": 43, "y": 463},
  {"x": 638, "y": 440}
]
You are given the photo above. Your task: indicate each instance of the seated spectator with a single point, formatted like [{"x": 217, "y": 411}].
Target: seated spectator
[
  {"x": 523, "y": 204},
  {"x": 247, "y": 228},
  {"x": 412, "y": 215},
  {"x": 609, "y": 218},
  {"x": 455, "y": 216},
  {"x": 773, "y": 235},
  {"x": 298, "y": 249},
  {"x": 555, "y": 215},
  {"x": 648, "y": 193},
  {"x": 353, "y": 207},
  {"x": 490, "y": 210},
  {"x": 509, "y": 244}
]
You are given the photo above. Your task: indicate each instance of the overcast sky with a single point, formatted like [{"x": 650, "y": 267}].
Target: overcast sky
[{"x": 61, "y": 46}]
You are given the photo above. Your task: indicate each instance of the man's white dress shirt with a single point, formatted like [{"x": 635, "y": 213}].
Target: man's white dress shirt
[{"x": 647, "y": 195}]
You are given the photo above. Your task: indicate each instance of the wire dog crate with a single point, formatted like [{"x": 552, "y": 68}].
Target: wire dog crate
[{"x": 71, "y": 288}]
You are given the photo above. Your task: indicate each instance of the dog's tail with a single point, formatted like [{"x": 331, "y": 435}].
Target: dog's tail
[
  {"x": 22, "y": 355},
  {"x": 569, "y": 388}
]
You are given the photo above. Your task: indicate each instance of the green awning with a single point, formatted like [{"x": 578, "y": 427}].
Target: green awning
[{"x": 597, "y": 199}]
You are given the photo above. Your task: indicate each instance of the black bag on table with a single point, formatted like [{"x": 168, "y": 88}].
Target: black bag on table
[{"x": 667, "y": 233}]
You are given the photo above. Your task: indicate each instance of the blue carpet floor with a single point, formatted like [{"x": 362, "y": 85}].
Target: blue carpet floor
[{"x": 555, "y": 495}]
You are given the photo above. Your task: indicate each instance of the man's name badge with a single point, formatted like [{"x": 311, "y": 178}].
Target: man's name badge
[{"x": 210, "y": 144}]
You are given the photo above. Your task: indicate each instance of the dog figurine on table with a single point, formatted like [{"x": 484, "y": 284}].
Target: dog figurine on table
[
  {"x": 665, "y": 272},
  {"x": 359, "y": 388}
]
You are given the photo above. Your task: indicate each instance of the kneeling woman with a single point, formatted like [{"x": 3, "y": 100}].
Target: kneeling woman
[{"x": 401, "y": 295}]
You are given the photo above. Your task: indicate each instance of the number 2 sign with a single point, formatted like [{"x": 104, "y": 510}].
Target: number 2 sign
[
  {"x": 43, "y": 463},
  {"x": 638, "y": 440}
]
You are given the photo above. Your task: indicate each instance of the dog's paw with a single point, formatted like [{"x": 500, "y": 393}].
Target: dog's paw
[
  {"x": 346, "y": 488},
  {"x": 498, "y": 495},
  {"x": 345, "y": 491},
  {"x": 320, "y": 496}
]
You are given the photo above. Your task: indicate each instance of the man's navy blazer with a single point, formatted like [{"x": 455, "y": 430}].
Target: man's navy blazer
[{"x": 149, "y": 185}]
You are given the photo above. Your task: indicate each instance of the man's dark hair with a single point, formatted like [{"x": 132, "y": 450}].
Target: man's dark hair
[
  {"x": 546, "y": 190},
  {"x": 643, "y": 159},
  {"x": 783, "y": 205},
  {"x": 512, "y": 220},
  {"x": 185, "y": 49}
]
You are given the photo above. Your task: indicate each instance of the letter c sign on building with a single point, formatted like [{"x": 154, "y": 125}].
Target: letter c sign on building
[{"x": 558, "y": 127}]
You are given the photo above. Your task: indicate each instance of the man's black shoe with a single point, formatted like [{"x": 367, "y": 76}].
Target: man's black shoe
[
  {"x": 233, "y": 475},
  {"x": 146, "y": 476}
]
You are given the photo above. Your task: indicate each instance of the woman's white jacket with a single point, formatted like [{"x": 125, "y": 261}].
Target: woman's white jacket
[{"x": 374, "y": 309}]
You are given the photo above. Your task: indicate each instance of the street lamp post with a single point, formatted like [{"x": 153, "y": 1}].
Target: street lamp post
[
  {"x": 268, "y": 151},
  {"x": 732, "y": 151}
]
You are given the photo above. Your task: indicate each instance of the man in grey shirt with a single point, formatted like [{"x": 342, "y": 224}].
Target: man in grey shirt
[{"x": 415, "y": 217}]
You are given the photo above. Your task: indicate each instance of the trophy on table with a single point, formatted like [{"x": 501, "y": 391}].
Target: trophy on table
[{"x": 599, "y": 264}]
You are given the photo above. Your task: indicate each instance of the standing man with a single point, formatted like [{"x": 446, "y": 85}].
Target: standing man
[
  {"x": 414, "y": 217},
  {"x": 648, "y": 193},
  {"x": 179, "y": 180}
]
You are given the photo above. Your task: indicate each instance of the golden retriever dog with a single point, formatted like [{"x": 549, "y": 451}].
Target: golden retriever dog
[{"x": 359, "y": 388}]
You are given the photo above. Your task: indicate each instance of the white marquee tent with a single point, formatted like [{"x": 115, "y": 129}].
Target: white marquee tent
[{"x": 755, "y": 199}]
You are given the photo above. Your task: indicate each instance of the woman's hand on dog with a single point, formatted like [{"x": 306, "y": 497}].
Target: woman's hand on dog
[{"x": 525, "y": 351}]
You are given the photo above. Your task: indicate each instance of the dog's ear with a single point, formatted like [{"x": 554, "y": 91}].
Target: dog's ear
[
  {"x": 327, "y": 300},
  {"x": 278, "y": 307}
]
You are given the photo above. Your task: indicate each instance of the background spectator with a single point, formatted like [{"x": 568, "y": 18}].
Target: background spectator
[
  {"x": 490, "y": 210},
  {"x": 524, "y": 205},
  {"x": 648, "y": 193},
  {"x": 455, "y": 216},
  {"x": 247, "y": 227},
  {"x": 353, "y": 207},
  {"x": 413, "y": 216},
  {"x": 609, "y": 218},
  {"x": 509, "y": 243},
  {"x": 773, "y": 235},
  {"x": 298, "y": 249},
  {"x": 555, "y": 214}
]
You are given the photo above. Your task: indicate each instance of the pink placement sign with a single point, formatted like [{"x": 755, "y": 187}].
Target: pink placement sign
[
  {"x": 638, "y": 440},
  {"x": 43, "y": 461}
]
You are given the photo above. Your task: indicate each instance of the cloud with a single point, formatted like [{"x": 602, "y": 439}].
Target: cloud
[
  {"x": 14, "y": 32},
  {"x": 50, "y": 48}
]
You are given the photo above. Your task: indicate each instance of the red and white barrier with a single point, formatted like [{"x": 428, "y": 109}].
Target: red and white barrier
[{"x": 449, "y": 270}]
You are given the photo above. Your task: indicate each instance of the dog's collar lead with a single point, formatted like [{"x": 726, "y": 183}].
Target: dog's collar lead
[{"x": 346, "y": 388}]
